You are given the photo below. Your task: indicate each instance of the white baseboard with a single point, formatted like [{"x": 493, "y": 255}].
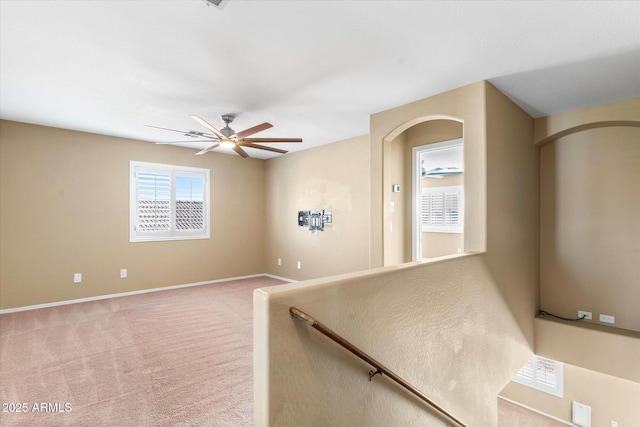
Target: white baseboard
[
  {"x": 142, "y": 291},
  {"x": 281, "y": 278},
  {"x": 537, "y": 411}
]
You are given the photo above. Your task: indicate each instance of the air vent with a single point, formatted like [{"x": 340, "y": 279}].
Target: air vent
[{"x": 219, "y": 4}]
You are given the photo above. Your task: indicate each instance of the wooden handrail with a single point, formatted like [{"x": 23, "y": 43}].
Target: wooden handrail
[{"x": 380, "y": 368}]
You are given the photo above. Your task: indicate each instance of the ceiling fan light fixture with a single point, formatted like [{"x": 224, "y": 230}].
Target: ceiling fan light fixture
[{"x": 227, "y": 144}]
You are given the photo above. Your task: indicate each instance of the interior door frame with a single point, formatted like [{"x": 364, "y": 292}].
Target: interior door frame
[{"x": 416, "y": 191}]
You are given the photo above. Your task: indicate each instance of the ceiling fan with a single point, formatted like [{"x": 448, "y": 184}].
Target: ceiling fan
[{"x": 228, "y": 138}]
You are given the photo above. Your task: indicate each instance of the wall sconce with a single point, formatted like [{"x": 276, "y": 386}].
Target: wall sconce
[{"x": 315, "y": 220}]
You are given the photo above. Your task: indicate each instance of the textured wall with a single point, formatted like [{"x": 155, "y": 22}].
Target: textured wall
[
  {"x": 64, "y": 205},
  {"x": 333, "y": 177},
  {"x": 590, "y": 253},
  {"x": 443, "y": 326},
  {"x": 457, "y": 328}
]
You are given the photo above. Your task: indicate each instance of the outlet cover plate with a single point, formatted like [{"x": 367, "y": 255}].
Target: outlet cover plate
[
  {"x": 587, "y": 315},
  {"x": 607, "y": 319}
]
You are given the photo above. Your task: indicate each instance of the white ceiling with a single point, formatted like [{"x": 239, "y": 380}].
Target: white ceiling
[{"x": 314, "y": 69}]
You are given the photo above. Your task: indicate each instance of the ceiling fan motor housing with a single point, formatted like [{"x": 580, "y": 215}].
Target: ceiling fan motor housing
[{"x": 227, "y": 131}]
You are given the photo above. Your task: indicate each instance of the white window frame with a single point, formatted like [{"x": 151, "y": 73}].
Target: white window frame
[
  {"x": 136, "y": 235},
  {"x": 542, "y": 374},
  {"x": 444, "y": 228}
]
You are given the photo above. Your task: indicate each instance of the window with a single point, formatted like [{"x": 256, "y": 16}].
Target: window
[
  {"x": 542, "y": 374},
  {"x": 442, "y": 209},
  {"x": 168, "y": 202}
]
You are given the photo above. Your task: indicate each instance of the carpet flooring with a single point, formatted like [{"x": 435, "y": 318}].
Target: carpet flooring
[
  {"x": 511, "y": 415},
  {"x": 179, "y": 357}
]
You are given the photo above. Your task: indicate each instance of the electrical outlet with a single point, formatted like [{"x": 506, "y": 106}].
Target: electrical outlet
[
  {"x": 123, "y": 273},
  {"x": 77, "y": 278},
  {"x": 614, "y": 424},
  {"x": 299, "y": 265},
  {"x": 607, "y": 319},
  {"x": 279, "y": 261},
  {"x": 587, "y": 314}
]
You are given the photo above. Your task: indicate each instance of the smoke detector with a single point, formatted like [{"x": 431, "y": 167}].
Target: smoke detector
[{"x": 218, "y": 4}]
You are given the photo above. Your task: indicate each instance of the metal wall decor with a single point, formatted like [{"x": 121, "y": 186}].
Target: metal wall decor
[{"x": 315, "y": 220}]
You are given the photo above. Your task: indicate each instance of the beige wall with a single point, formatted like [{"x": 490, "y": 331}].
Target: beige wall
[
  {"x": 395, "y": 155},
  {"x": 612, "y": 351},
  {"x": 512, "y": 199},
  {"x": 467, "y": 105},
  {"x": 64, "y": 209},
  {"x": 441, "y": 325},
  {"x": 585, "y": 251},
  {"x": 331, "y": 177},
  {"x": 590, "y": 241},
  {"x": 610, "y": 398},
  {"x": 451, "y": 317}
]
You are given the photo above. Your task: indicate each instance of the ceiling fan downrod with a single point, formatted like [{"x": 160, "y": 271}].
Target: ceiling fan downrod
[{"x": 226, "y": 130}]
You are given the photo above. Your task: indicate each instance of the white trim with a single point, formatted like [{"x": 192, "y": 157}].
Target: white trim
[
  {"x": 142, "y": 291},
  {"x": 281, "y": 278},
  {"x": 538, "y": 411},
  {"x": 135, "y": 236}
]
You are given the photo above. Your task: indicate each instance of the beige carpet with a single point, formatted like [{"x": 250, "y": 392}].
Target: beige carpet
[
  {"x": 511, "y": 415},
  {"x": 172, "y": 358}
]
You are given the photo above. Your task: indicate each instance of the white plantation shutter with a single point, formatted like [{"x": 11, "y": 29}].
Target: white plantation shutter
[
  {"x": 546, "y": 372},
  {"x": 168, "y": 202},
  {"x": 527, "y": 370},
  {"x": 154, "y": 209},
  {"x": 442, "y": 209},
  {"x": 436, "y": 209},
  {"x": 542, "y": 374},
  {"x": 451, "y": 206}
]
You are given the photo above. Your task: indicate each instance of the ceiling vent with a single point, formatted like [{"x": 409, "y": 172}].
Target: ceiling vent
[{"x": 219, "y": 4}]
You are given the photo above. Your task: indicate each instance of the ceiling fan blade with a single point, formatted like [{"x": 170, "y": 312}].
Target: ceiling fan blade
[
  {"x": 209, "y": 127},
  {"x": 272, "y": 139},
  {"x": 172, "y": 130},
  {"x": 262, "y": 147},
  {"x": 192, "y": 133},
  {"x": 255, "y": 129},
  {"x": 240, "y": 151},
  {"x": 180, "y": 142},
  {"x": 207, "y": 149}
]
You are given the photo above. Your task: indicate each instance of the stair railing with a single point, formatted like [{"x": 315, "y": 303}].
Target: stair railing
[{"x": 380, "y": 369}]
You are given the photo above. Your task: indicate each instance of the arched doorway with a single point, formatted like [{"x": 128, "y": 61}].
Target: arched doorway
[{"x": 399, "y": 185}]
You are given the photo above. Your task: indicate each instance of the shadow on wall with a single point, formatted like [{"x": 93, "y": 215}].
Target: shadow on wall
[{"x": 447, "y": 331}]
